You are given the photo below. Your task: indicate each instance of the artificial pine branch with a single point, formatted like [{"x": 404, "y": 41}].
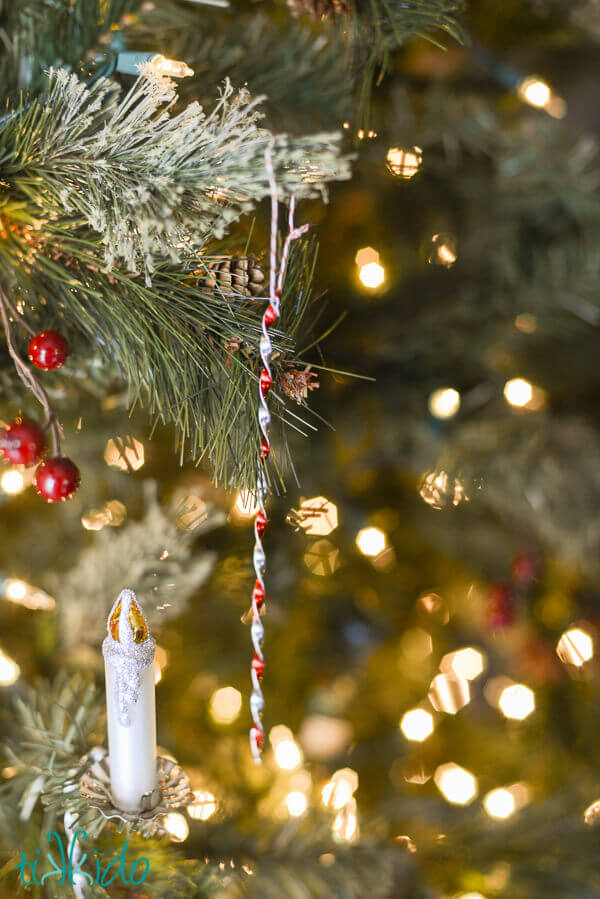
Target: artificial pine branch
[{"x": 148, "y": 181}]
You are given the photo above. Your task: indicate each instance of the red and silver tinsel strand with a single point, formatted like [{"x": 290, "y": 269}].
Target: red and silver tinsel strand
[{"x": 276, "y": 275}]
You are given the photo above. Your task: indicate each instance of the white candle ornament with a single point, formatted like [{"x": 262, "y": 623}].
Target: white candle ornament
[{"x": 128, "y": 651}]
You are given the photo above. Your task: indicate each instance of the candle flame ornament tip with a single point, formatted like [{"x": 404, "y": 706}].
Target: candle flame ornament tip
[{"x": 130, "y": 614}]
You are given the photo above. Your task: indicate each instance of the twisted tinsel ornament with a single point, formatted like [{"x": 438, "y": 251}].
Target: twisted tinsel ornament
[{"x": 265, "y": 380}]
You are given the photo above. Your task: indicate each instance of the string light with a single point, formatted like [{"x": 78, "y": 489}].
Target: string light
[
  {"x": 12, "y": 482},
  {"x": 345, "y": 824},
  {"x": 444, "y": 250},
  {"x": 203, "y": 806},
  {"x": 444, "y": 403},
  {"x": 518, "y": 392},
  {"x": 225, "y": 705},
  {"x": 176, "y": 826},
  {"x": 132, "y": 63},
  {"x": 537, "y": 93},
  {"x": 25, "y": 595},
  {"x": 340, "y": 789},
  {"x": 9, "y": 670},
  {"x": 517, "y": 702},
  {"x": 575, "y": 647},
  {"x": 417, "y": 725},
  {"x": 371, "y": 541},
  {"x": 457, "y": 785}
]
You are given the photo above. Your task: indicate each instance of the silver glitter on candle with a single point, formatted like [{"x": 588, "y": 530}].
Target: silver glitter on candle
[{"x": 129, "y": 649}]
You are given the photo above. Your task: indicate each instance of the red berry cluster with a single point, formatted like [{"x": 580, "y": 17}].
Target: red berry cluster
[{"x": 24, "y": 443}]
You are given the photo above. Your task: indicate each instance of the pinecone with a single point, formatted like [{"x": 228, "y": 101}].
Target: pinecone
[
  {"x": 296, "y": 384},
  {"x": 318, "y": 9},
  {"x": 236, "y": 275}
]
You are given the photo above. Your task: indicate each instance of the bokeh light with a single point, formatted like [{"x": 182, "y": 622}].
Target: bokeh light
[
  {"x": 417, "y": 724},
  {"x": 288, "y": 754},
  {"x": 575, "y": 647},
  {"x": 225, "y": 705},
  {"x": 372, "y": 275},
  {"x": 457, "y": 785},
  {"x": 203, "y": 806},
  {"x": 468, "y": 663},
  {"x": 499, "y": 803},
  {"x": 449, "y": 693},
  {"x": 371, "y": 541},
  {"x": 317, "y": 516},
  {"x": 517, "y": 702},
  {"x": 12, "y": 482},
  {"x": 404, "y": 162},
  {"x": 124, "y": 453},
  {"x": 297, "y": 803},
  {"x": 9, "y": 670},
  {"x": 176, "y": 826},
  {"x": 345, "y": 823}
]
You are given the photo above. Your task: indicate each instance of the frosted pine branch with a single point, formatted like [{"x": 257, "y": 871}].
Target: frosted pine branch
[{"x": 152, "y": 181}]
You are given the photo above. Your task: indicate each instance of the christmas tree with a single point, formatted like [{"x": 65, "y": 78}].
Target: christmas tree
[{"x": 389, "y": 390}]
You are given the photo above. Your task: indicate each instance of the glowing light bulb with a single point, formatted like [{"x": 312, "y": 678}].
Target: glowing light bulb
[
  {"x": 518, "y": 392},
  {"x": 203, "y": 806},
  {"x": 15, "y": 590},
  {"x": 340, "y": 789},
  {"x": 345, "y": 824},
  {"x": 225, "y": 705},
  {"x": 372, "y": 275},
  {"x": 176, "y": 826},
  {"x": 417, "y": 725},
  {"x": 9, "y": 670},
  {"x": 575, "y": 647},
  {"x": 457, "y": 785},
  {"x": 296, "y": 803},
  {"x": 371, "y": 541},
  {"x": 12, "y": 482},
  {"x": 535, "y": 92},
  {"x": 170, "y": 68},
  {"x": 517, "y": 702},
  {"x": 444, "y": 403},
  {"x": 500, "y": 803}
]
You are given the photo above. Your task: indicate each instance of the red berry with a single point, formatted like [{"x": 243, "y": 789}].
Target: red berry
[
  {"x": 270, "y": 315},
  {"x": 260, "y": 522},
  {"x": 48, "y": 350},
  {"x": 258, "y": 594},
  {"x": 57, "y": 479},
  {"x": 258, "y": 666},
  {"x": 256, "y": 736},
  {"x": 23, "y": 442},
  {"x": 264, "y": 448},
  {"x": 265, "y": 381}
]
